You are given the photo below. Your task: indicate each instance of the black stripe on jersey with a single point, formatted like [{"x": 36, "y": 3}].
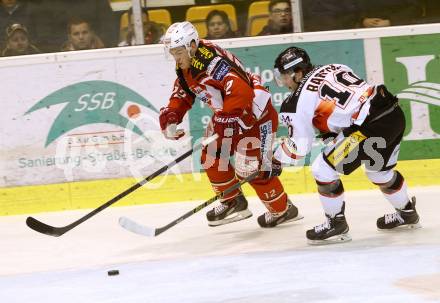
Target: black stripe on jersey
[
  {"x": 290, "y": 103},
  {"x": 184, "y": 84}
]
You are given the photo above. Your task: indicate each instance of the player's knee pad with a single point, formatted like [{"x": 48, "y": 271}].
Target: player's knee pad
[
  {"x": 330, "y": 189},
  {"x": 322, "y": 171},
  {"x": 393, "y": 185}
]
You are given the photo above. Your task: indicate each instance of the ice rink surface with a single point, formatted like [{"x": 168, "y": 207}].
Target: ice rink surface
[{"x": 235, "y": 263}]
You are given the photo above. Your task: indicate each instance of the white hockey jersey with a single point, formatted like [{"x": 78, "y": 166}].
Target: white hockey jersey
[{"x": 328, "y": 99}]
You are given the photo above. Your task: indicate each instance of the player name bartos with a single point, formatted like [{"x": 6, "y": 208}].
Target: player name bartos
[{"x": 300, "y": 111}]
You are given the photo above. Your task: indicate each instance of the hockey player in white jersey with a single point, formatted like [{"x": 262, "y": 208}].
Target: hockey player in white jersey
[{"x": 364, "y": 125}]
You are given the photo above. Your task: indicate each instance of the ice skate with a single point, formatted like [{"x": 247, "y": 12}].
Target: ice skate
[
  {"x": 269, "y": 220},
  {"x": 334, "y": 230},
  {"x": 406, "y": 218},
  {"x": 229, "y": 211}
]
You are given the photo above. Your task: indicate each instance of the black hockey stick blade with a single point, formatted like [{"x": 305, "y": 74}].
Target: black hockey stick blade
[
  {"x": 143, "y": 230},
  {"x": 44, "y": 228},
  {"x": 58, "y": 231}
]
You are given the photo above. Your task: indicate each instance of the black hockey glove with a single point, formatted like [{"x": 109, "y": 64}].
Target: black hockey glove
[{"x": 273, "y": 171}]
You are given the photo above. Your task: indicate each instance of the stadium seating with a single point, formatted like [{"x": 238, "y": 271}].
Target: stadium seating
[
  {"x": 197, "y": 16},
  {"x": 160, "y": 16},
  {"x": 257, "y": 17}
]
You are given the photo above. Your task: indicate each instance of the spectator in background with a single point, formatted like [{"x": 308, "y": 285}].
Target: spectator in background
[
  {"x": 100, "y": 16},
  {"x": 219, "y": 26},
  {"x": 49, "y": 20},
  {"x": 431, "y": 12},
  {"x": 153, "y": 32},
  {"x": 379, "y": 13},
  {"x": 280, "y": 18},
  {"x": 323, "y": 15},
  {"x": 81, "y": 36},
  {"x": 17, "y": 41},
  {"x": 12, "y": 11}
]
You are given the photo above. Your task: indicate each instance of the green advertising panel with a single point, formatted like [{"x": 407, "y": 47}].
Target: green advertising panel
[
  {"x": 260, "y": 60},
  {"x": 411, "y": 67}
]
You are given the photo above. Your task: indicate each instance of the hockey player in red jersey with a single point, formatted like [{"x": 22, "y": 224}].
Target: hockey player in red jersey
[
  {"x": 243, "y": 117},
  {"x": 366, "y": 124}
]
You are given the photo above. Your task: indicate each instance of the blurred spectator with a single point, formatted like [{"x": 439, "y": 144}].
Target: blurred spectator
[
  {"x": 431, "y": 12},
  {"x": 81, "y": 36},
  {"x": 378, "y": 13},
  {"x": 17, "y": 41},
  {"x": 49, "y": 20},
  {"x": 219, "y": 26},
  {"x": 12, "y": 11},
  {"x": 322, "y": 15},
  {"x": 99, "y": 14},
  {"x": 280, "y": 18},
  {"x": 153, "y": 32}
]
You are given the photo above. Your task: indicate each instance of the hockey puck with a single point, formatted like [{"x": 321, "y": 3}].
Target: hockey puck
[{"x": 113, "y": 272}]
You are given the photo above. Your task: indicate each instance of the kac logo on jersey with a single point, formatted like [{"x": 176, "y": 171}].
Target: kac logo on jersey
[{"x": 91, "y": 102}]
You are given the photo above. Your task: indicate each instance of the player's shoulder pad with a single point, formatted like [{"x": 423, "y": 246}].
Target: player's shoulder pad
[{"x": 290, "y": 104}]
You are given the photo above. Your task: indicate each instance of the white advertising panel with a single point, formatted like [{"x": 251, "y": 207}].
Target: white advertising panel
[{"x": 82, "y": 116}]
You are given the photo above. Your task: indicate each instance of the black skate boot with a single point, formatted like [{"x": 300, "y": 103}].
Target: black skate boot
[
  {"x": 406, "y": 218},
  {"x": 229, "y": 211},
  {"x": 334, "y": 230},
  {"x": 291, "y": 214}
]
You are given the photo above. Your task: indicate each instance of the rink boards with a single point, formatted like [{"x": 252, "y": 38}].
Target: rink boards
[
  {"x": 78, "y": 128},
  {"x": 187, "y": 187}
]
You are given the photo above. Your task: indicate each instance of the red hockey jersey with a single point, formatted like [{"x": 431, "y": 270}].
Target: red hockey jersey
[{"x": 217, "y": 78}]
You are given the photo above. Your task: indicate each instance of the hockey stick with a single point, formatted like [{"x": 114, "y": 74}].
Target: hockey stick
[
  {"x": 137, "y": 228},
  {"x": 58, "y": 231}
]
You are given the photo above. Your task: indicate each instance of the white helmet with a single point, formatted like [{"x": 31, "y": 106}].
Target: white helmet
[{"x": 180, "y": 34}]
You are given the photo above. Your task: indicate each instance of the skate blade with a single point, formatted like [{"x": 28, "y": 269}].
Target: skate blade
[
  {"x": 298, "y": 217},
  {"x": 332, "y": 240},
  {"x": 238, "y": 216},
  {"x": 405, "y": 227}
]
